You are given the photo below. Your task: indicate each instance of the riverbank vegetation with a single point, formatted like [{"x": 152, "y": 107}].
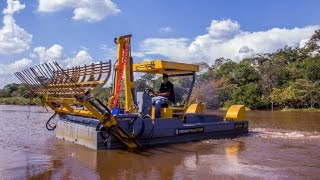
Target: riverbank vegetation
[
  {"x": 287, "y": 79},
  {"x": 17, "y": 94}
]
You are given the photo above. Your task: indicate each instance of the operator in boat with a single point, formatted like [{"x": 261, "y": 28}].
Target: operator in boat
[{"x": 164, "y": 96}]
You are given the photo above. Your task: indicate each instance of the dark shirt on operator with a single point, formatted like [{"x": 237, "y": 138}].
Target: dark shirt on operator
[{"x": 167, "y": 87}]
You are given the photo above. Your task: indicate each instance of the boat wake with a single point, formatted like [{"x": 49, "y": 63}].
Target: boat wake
[{"x": 283, "y": 134}]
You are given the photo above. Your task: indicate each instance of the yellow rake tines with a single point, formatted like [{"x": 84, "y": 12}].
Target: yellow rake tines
[{"x": 52, "y": 80}]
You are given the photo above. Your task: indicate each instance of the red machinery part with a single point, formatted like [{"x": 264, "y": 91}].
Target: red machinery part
[{"x": 121, "y": 69}]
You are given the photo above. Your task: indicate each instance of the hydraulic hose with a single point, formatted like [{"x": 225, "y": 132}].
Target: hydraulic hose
[
  {"x": 48, "y": 125},
  {"x": 141, "y": 131}
]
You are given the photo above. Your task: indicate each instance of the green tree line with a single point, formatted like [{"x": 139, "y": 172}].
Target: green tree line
[
  {"x": 17, "y": 94},
  {"x": 287, "y": 78}
]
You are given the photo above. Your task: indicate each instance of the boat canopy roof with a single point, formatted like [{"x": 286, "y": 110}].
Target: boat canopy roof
[{"x": 165, "y": 67}]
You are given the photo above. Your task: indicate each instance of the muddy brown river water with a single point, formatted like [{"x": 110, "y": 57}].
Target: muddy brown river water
[{"x": 280, "y": 145}]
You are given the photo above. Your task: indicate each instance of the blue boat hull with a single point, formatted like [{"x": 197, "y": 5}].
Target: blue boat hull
[{"x": 196, "y": 127}]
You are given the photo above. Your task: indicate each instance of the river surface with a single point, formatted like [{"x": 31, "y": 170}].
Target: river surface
[{"x": 280, "y": 145}]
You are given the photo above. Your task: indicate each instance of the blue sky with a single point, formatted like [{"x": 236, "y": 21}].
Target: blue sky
[{"x": 74, "y": 31}]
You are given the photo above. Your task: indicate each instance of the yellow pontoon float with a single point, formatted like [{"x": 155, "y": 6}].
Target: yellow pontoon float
[{"x": 85, "y": 120}]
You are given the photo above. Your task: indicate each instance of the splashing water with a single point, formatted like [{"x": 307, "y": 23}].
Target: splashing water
[{"x": 284, "y": 134}]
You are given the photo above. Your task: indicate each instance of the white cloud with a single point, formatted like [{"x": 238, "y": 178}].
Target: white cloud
[
  {"x": 85, "y": 10},
  {"x": 176, "y": 49},
  {"x": 13, "y": 39},
  {"x": 303, "y": 43},
  {"x": 83, "y": 57},
  {"x": 165, "y": 29},
  {"x": 10, "y": 68},
  {"x": 54, "y": 53},
  {"x": 13, "y": 6},
  {"x": 225, "y": 29},
  {"x": 7, "y": 70},
  {"x": 225, "y": 39}
]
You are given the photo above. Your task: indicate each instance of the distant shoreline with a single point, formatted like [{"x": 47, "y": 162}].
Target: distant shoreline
[
  {"x": 20, "y": 101},
  {"x": 286, "y": 109}
]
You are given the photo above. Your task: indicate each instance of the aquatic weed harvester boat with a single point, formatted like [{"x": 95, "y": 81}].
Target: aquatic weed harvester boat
[{"x": 85, "y": 120}]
